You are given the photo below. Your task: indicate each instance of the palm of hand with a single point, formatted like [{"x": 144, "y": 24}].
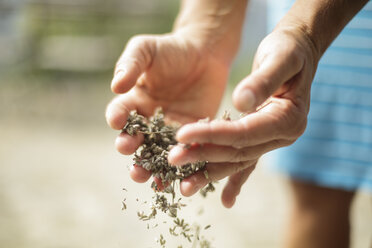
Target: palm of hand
[
  {"x": 185, "y": 81},
  {"x": 167, "y": 71}
]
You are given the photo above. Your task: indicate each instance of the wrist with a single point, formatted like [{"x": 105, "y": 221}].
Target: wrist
[
  {"x": 321, "y": 21},
  {"x": 213, "y": 25},
  {"x": 304, "y": 34}
]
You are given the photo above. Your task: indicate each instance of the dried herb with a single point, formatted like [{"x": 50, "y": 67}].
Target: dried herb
[
  {"x": 124, "y": 205},
  {"x": 209, "y": 188},
  {"x": 152, "y": 155},
  {"x": 161, "y": 241}
]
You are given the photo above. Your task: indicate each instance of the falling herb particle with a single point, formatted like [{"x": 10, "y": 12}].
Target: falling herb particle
[{"x": 152, "y": 155}]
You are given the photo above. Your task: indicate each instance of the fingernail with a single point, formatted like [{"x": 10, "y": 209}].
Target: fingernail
[
  {"x": 118, "y": 76},
  {"x": 179, "y": 155},
  {"x": 174, "y": 154},
  {"x": 245, "y": 99}
]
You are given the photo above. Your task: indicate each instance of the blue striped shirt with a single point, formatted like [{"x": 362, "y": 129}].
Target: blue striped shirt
[{"x": 336, "y": 148}]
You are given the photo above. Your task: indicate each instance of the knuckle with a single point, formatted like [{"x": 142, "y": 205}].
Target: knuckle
[
  {"x": 242, "y": 155},
  {"x": 138, "y": 40},
  {"x": 238, "y": 167},
  {"x": 300, "y": 127},
  {"x": 242, "y": 165},
  {"x": 295, "y": 120},
  {"x": 296, "y": 60},
  {"x": 202, "y": 154},
  {"x": 278, "y": 143},
  {"x": 137, "y": 64},
  {"x": 142, "y": 42},
  {"x": 138, "y": 53},
  {"x": 211, "y": 129},
  {"x": 241, "y": 135},
  {"x": 246, "y": 167}
]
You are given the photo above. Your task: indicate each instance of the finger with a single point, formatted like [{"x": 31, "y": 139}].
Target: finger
[
  {"x": 215, "y": 172},
  {"x": 118, "y": 109},
  {"x": 135, "y": 59},
  {"x": 263, "y": 82},
  {"x": 179, "y": 155},
  {"x": 280, "y": 121},
  {"x": 160, "y": 186},
  {"x": 233, "y": 186},
  {"x": 127, "y": 144},
  {"x": 139, "y": 174}
]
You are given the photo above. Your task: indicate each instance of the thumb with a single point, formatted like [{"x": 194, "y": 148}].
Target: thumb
[
  {"x": 264, "y": 81},
  {"x": 135, "y": 59}
]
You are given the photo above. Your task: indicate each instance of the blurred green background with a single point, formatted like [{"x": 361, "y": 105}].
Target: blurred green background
[{"x": 60, "y": 176}]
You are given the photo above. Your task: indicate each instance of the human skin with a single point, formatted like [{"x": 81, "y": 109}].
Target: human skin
[
  {"x": 319, "y": 216},
  {"x": 185, "y": 72}
]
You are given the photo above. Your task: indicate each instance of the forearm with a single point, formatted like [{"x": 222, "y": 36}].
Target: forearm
[
  {"x": 216, "y": 24},
  {"x": 321, "y": 20}
]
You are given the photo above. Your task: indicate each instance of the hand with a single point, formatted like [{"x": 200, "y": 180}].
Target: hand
[
  {"x": 174, "y": 71},
  {"x": 280, "y": 82}
]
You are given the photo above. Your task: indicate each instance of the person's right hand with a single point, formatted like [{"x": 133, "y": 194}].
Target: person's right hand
[
  {"x": 174, "y": 71},
  {"x": 276, "y": 96}
]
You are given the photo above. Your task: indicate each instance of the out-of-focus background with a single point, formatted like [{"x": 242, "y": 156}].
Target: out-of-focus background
[{"x": 61, "y": 179}]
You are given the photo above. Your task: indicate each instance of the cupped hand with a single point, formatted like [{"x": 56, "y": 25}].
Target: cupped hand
[
  {"x": 276, "y": 97},
  {"x": 173, "y": 71}
]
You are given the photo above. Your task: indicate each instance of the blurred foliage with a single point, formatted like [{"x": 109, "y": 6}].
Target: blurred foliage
[
  {"x": 82, "y": 39},
  {"x": 48, "y": 25},
  {"x": 121, "y": 18}
]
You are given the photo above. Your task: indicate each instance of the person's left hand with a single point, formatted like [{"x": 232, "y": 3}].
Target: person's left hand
[{"x": 280, "y": 82}]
